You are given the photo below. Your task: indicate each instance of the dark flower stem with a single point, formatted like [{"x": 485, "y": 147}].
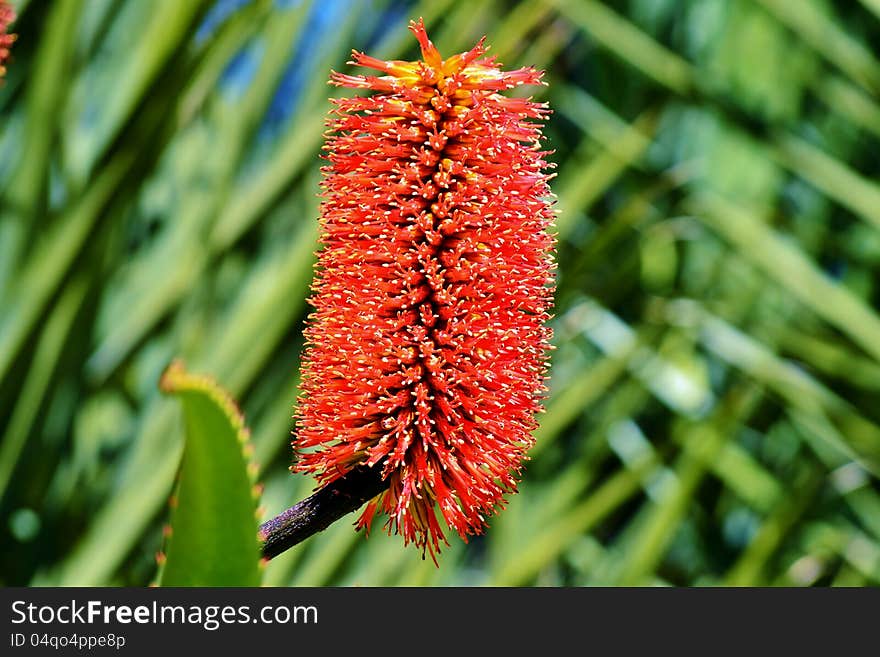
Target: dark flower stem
[{"x": 321, "y": 509}]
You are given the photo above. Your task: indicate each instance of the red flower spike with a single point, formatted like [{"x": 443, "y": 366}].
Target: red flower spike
[
  {"x": 7, "y": 15},
  {"x": 426, "y": 351}
]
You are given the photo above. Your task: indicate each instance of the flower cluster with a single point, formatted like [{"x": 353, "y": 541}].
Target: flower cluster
[
  {"x": 426, "y": 351},
  {"x": 7, "y": 15}
]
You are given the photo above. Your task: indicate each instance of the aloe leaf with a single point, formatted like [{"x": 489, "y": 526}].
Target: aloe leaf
[{"x": 213, "y": 532}]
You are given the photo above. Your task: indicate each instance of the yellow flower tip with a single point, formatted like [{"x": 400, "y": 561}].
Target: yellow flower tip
[
  {"x": 457, "y": 77},
  {"x": 429, "y": 51},
  {"x": 395, "y": 67}
]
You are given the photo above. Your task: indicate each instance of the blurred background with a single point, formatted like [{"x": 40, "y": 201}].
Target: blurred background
[{"x": 713, "y": 413}]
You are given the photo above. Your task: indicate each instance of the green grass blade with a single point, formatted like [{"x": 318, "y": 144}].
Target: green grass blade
[
  {"x": 39, "y": 380},
  {"x": 789, "y": 267},
  {"x": 47, "y": 84},
  {"x": 829, "y": 39},
  {"x": 633, "y": 45},
  {"x": 604, "y": 500},
  {"x": 163, "y": 28},
  {"x": 52, "y": 258}
]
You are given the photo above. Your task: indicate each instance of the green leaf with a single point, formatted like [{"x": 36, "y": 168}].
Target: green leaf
[{"x": 213, "y": 540}]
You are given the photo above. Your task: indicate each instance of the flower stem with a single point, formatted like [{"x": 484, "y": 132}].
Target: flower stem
[{"x": 321, "y": 509}]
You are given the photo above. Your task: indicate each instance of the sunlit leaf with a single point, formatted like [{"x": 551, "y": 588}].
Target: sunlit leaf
[{"x": 212, "y": 540}]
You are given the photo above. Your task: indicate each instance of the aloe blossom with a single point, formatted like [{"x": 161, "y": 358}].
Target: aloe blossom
[
  {"x": 427, "y": 347},
  {"x": 7, "y": 15}
]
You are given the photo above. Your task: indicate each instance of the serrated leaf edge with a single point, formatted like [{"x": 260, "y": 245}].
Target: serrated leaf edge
[{"x": 176, "y": 379}]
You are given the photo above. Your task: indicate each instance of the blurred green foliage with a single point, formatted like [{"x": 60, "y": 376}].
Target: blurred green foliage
[{"x": 713, "y": 412}]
